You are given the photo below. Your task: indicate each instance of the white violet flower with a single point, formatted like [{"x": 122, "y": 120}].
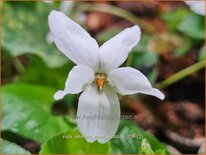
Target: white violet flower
[
  {"x": 97, "y": 75},
  {"x": 197, "y": 6}
]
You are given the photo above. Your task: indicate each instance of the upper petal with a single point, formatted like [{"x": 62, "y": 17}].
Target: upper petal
[
  {"x": 73, "y": 41},
  {"x": 78, "y": 77},
  {"x": 115, "y": 51},
  {"x": 98, "y": 114},
  {"x": 130, "y": 81}
]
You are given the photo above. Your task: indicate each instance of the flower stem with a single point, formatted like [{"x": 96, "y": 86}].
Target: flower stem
[
  {"x": 181, "y": 74},
  {"x": 18, "y": 65},
  {"x": 117, "y": 12}
]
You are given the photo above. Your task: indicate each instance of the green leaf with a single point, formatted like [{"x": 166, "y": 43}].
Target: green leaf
[
  {"x": 38, "y": 73},
  {"x": 24, "y": 30},
  {"x": 71, "y": 142},
  {"x": 130, "y": 138},
  {"x": 147, "y": 59},
  {"x": 145, "y": 148},
  {"x": 26, "y": 110},
  {"x": 193, "y": 25},
  {"x": 12, "y": 148},
  {"x": 142, "y": 56},
  {"x": 173, "y": 18}
]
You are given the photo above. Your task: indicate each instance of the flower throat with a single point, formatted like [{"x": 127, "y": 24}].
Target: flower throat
[{"x": 100, "y": 80}]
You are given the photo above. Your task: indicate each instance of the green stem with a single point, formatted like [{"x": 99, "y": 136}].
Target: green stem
[
  {"x": 117, "y": 12},
  {"x": 18, "y": 65},
  {"x": 181, "y": 74}
]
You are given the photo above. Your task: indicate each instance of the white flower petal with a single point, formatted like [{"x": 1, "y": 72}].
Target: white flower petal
[
  {"x": 130, "y": 81},
  {"x": 103, "y": 106},
  {"x": 78, "y": 77},
  {"x": 115, "y": 51},
  {"x": 88, "y": 106},
  {"x": 197, "y": 6},
  {"x": 109, "y": 106},
  {"x": 73, "y": 41}
]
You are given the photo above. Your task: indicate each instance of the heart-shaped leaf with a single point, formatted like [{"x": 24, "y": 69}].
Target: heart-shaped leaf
[
  {"x": 26, "y": 110},
  {"x": 72, "y": 142},
  {"x": 130, "y": 140}
]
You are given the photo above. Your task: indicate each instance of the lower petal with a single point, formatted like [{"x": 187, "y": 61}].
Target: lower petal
[
  {"x": 109, "y": 107},
  {"x": 88, "y": 108},
  {"x": 98, "y": 114}
]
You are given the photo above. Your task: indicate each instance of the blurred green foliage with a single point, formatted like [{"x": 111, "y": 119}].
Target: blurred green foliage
[
  {"x": 202, "y": 53},
  {"x": 12, "y": 148},
  {"x": 174, "y": 18},
  {"x": 38, "y": 73},
  {"x": 193, "y": 25},
  {"x": 26, "y": 110},
  {"x": 143, "y": 56},
  {"x": 24, "y": 30}
]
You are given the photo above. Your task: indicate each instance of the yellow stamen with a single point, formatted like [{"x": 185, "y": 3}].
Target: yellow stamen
[{"x": 100, "y": 79}]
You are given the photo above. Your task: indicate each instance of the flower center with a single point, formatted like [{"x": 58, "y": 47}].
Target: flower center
[{"x": 100, "y": 79}]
